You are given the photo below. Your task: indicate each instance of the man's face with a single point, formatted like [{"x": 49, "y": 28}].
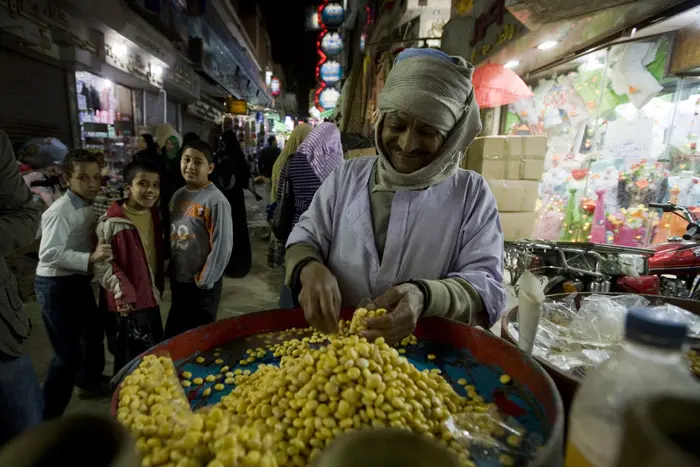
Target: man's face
[
  {"x": 85, "y": 180},
  {"x": 195, "y": 167},
  {"x": 410, "y": 144},
  {"x": 144, "y": 190}
]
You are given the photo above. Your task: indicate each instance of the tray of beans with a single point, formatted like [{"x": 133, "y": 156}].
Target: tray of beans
[{"x": 265, "y": 390}]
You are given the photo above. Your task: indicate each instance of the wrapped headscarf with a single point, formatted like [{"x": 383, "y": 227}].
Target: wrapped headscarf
[
  {"x": 436, "y": 89},
  {"x": 290, "y": 147},
  {"x": 323, "y": 149},
  {"x": 174, "y": 153}
]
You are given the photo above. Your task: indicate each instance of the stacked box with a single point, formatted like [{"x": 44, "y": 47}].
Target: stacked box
[{"x": 512, "y": 166}]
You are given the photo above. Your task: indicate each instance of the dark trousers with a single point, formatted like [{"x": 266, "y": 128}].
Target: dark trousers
[
  {"x": 128, "y": 336},
  {"x": 191, "y": 307},
  {"x": 76, "y": 331},
  {"x": 20, "y": 396}
]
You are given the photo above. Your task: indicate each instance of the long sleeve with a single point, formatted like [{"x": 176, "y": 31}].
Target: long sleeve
[
  {"x": 454, "y": 298},
  {"x": 479, "y": 261},
  {"x": 55, "y": 231},
  {"x": 110, "y": 276},
  {"x": 220, "y": 227},
  {"x": 19, "y": 215}
]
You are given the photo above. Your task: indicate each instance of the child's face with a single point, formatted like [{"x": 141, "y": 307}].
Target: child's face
[
  {"x": 195, "y": 167},
  {"x": 86, "y": 179},
  {"x": 144, "y": 191}
]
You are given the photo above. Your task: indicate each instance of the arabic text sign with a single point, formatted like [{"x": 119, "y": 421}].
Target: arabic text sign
[{"x": 629, "y": 139}]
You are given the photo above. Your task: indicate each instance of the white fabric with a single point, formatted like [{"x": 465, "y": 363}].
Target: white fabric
[{"x": 467, "y": 245}]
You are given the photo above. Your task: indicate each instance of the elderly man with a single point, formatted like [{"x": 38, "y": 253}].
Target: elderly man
[{"x": 20, "y": 394}]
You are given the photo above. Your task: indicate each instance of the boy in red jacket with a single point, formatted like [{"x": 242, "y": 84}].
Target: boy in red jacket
[{"x": 133, "y": 281}]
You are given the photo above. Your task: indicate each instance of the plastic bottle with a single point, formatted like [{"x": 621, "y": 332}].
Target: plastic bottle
[{"x": 650, "y": 363}]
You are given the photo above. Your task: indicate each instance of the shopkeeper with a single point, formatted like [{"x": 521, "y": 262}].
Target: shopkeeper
[{"x": 408, "y": 229}]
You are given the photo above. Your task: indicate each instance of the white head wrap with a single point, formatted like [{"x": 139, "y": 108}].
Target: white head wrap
[{"x": 436, "y": 89}]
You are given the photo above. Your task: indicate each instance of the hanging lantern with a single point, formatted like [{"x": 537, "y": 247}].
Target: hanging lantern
[
  {"x": 332, "y": 43},
  {"x": 333, "y": 15}
]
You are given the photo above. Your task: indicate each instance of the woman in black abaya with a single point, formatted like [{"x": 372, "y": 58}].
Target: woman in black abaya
[{"x": 232, "y": 176}]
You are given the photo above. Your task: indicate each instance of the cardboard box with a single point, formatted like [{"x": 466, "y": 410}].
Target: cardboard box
[
  {"x": 507, "y": 157},
  {"x": 517, "y": 225},
  {"x": 515, "y": 195}
]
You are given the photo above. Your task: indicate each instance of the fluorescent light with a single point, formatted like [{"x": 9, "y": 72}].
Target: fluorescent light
[
  {"x": 157, "y": 71},
  {"x": 546, "y": 45},
  {"x": 512, "y": 64}
]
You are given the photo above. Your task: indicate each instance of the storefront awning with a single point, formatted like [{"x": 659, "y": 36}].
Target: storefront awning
[{"x": 577, "y": 35}]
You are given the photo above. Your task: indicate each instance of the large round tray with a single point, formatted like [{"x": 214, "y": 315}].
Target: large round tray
[
  {"x": 566, "y": 382},
  {"x": 460, "y": 352}
]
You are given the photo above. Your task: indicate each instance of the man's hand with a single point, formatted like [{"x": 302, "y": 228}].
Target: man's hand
[
  {"x": 320, "y": 297},
  {"x": 404, "y": 304},
  {"x": 103, "y": 252}
]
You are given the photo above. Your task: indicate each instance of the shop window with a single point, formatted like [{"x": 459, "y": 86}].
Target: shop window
[{"x": 621, "y": 134}]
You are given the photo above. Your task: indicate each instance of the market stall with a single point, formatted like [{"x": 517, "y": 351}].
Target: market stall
[{"x": 620, "y": 119}]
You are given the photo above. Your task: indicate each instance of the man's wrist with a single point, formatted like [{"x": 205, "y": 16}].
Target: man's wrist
[{"x": 425, "y": 291}]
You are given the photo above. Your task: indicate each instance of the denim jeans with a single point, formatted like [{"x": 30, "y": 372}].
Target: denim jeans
[
  {"x": 76, "y": 330},
  {"x": 20, "y": 396},
  {"x": 191, "y": 307}
]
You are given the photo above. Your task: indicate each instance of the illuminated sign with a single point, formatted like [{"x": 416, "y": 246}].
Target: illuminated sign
[
  {"x": 332, "y": 15},
  {"x": 332, "y": 43},
  {"x": 238, "y": 107},
  {"x": 328, "y": 98},
  {"x": 275, "y": 86},
  {"x": 331, "y": 72}
]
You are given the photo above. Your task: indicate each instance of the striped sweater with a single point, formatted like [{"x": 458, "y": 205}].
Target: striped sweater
[{"x": 305, "y": 183}]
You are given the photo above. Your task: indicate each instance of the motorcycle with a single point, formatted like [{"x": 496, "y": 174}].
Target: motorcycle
[
  {"x": 567, "y": 267},
  {"x": 671, "y": 268},
  {"x": 674, "y": 269}
]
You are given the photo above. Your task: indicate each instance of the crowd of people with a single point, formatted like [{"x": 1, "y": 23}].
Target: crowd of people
[{"x": 407, "y": 229}]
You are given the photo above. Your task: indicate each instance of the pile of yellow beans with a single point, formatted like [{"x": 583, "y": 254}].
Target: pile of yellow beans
[{"x": 286, "y": 415}]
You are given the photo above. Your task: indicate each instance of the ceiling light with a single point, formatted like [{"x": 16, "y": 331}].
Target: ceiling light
[
  {"x": 512, "y": 64},
  {"x": 157, "y": 71},
  {"x": 546, "y": 45}
]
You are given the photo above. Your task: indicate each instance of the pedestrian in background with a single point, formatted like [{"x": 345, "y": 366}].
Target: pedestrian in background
[
  {"x": 20, "y": 393},
  {"x": 67, "y": 255},
  {"x": 268, "y": 157},
  {"x": 275, "y": 251},
  {"x": 232, "y": 176},
  {"x": 201, "y": 239}
]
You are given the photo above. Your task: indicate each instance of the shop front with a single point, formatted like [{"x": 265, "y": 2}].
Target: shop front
[
  {"x": 201, "y": 117},
  {"x": 620, "y": 117}
]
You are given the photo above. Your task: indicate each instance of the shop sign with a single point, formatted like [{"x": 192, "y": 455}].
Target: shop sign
[
  {"x": 332, "y": 43},
  {"x": 686, "y": 50},
  {"x": 332, "y": 15},
  {"x": 238, "y": 107},
  {"x": 331, "y": 72},
  {"x": 328, "y": 98},
  {"x": 182, "y": 75},
  {"x": 148, "y": 44},
  {"x": 493, "y": 27},
  {"x": 205, "y": 111},
  {"x": 275, "y": 86},
  {"x": 133, "y": 63}
]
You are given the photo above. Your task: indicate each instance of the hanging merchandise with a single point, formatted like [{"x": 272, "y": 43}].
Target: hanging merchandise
[
  {"x": 328, "y": 72},
  {"x": 331, "y": 72},
  {"x": 106, "y": 126}
]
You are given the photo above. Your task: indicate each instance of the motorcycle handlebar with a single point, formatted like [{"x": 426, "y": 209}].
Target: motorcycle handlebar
[{"x": 665, "y": 207}]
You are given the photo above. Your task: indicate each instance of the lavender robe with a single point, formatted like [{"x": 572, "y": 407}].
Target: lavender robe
[{"x": 447, "y": 230}]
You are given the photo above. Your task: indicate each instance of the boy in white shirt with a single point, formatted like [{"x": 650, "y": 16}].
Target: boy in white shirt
[{"x": 62, "y": 285}]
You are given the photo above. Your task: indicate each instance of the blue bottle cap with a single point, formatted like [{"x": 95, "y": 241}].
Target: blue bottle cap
[{"x": 655, "y": 327}]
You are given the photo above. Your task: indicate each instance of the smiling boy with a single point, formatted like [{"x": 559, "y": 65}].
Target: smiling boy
[
  {"x": 67, "y": 254},
  {"x": 201, "y": 240},
  {"x": 133, "y": 281}
]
